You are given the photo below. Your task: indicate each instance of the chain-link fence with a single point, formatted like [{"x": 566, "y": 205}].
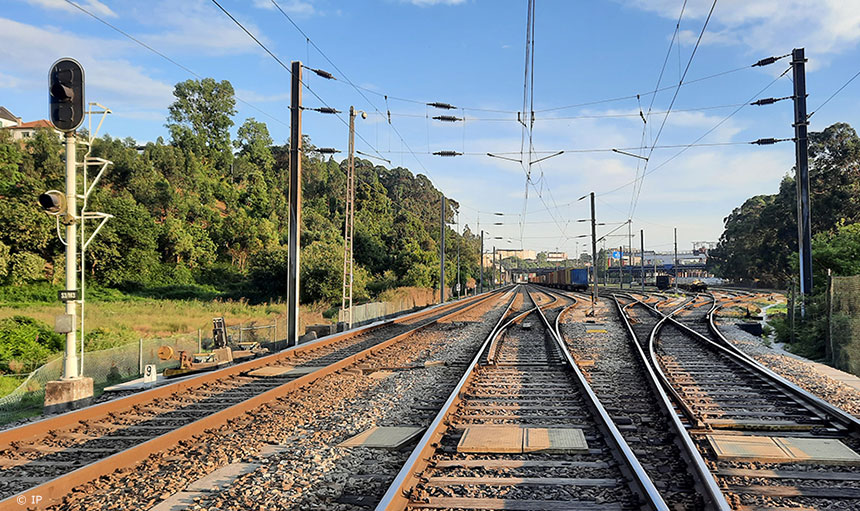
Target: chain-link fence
[
  {"x": 373, "y": 311},
  {"x": 123, "y": 363},
  {"x": 844, "y": 323}
]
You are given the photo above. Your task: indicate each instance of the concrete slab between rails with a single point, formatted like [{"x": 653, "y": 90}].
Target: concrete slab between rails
[
  {"x": 390, "y": 437},
  {"x": 282, "y": 371},
  {"x": 782, "y": 449},
  {"x": 514, "y": 439},
  {"x": 214, "y": 482},
  {"x": 554, "y": 440}
]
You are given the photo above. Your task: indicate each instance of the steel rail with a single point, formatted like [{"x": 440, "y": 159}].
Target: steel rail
[
  {"x": 644, "y": 486},
  {"x": 50, "y": 492},
  {"x": 493, "y": 349},
  {"x": 712, "y": 489},
  {"x": 841, "y": 416},
  {"x": 73, "y": 417},
  {"x": 396, "y": 497},
  {"x": 653, "y": 364}
]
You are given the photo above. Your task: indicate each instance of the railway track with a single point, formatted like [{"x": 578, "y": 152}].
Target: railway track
[
  {"x": 523, "y": 431},
  {"x": 767, "y": 443},
  {"x": 42, "y": 461},
  {"x": 618, "y": 371}
]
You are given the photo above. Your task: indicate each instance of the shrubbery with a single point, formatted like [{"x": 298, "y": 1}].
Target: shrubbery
[{"x": 27, "y": 341}]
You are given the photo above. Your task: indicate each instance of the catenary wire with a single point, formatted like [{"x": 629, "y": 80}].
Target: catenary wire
[
  {"x": 165, "y": 57},
  {"x": 695, "y": 142},
  {"x": 287, "y": 68},
  {"x": 671, "y": 104}
]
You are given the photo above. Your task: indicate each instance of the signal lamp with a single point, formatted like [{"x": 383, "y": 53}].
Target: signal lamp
[{"x": 53, "y": 202}]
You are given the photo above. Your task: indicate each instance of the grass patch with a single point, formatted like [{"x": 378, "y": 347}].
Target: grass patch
[{"x": 9, "y": 383}]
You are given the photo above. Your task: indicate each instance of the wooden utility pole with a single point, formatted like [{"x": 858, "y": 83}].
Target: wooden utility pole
[
  {"x": 442, "y": 247},
  {"x": 801, "y": 144},
  {"x": 295, "y": 204},
  {"x": 642, "y": 257},
  {"x": 593, "y": 256},
  {"x": 675, "y": 266},
  {"x": 349, "y": 223},
  {"x": 481, "y": 284}
]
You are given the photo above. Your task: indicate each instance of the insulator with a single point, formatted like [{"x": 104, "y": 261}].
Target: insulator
[
  {"x": 765, "y": 141},
  {"x": 764, "y": 101},
  {"x": 766, "y": 61},
  {"x": 447, "y": 118},
  {"x": 326, "y": 110},
  {"x": 446, "y": 106},
  {"x": 327, "y": 150},
  {"x": 447, "y": 153},
  {"x": 323, "y": 73}
]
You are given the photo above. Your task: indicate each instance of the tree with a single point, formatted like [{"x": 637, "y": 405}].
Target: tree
[
  {"x": 760, "y": 237},
  {"x": 200, "y": 119},
  {"x": 255, "y": 144}
]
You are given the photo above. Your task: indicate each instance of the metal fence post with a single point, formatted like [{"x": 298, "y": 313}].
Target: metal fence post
[
  {"x": 199, "y": 341},
  {"x": 140, "y": 357},
  {"x": 828, "y": 346}
]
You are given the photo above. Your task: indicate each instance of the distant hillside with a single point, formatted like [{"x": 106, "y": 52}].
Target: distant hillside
[{"x": 204, "y": 213}]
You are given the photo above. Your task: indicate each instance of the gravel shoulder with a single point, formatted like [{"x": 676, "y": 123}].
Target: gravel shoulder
[{"x": 307, "y": 470}]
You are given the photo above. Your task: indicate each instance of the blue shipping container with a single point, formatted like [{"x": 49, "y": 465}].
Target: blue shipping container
[{"x": 579, "y": 276}]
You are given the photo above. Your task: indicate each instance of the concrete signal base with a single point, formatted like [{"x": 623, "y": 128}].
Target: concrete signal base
[{"x": 63, "y": 395}]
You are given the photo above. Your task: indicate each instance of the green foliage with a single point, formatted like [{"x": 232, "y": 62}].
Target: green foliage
[
  {"x": 105, "y": 338},
  {"x": 26, "y": 340},
  {"x": 201, "y": 119},
  {"x": 192, "y": 220},
  {"x": 26, "y": 267},
  {"x": 760, "y": 238},
  {"x": 5, "y": 261},
  {"x": 838, "y": 251}
]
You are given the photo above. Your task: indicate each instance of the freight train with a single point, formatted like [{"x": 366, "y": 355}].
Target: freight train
[
  {"x": 570, "y": 279},
  {"x": 692, "y": 284}
]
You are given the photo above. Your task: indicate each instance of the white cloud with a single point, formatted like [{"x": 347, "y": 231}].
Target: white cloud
[
  {"x": 427, "y": 3},
  {"x": 297, "y": 7},
  {"x": 769, "y": 26},
  {"x": 93, "y": 6},
  {"x": 31, "y": 50},
  {"x": 194, "y": 27}
]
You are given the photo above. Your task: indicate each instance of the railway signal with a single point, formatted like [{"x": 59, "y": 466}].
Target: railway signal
[
  {"x": 53, "y": 202},
  {"x": 66, "y": 94},
  {"x": 66, "y": 110}
]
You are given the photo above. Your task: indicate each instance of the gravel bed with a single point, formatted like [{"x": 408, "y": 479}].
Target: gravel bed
[
  {"x": 795, "y": 369},
  {"x": 612, "y": 366},
  {"x": 311, "y": 473}
]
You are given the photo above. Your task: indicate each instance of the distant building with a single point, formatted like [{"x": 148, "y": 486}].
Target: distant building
[
  {"x": 8, "y": 119},
  {"x": 23, "y": 130},
  {"x": 556, "y": 257},
  {"x": 527, "y": 255}
]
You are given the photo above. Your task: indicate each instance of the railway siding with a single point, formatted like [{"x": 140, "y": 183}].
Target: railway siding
[{"x": 614, "y": 370}]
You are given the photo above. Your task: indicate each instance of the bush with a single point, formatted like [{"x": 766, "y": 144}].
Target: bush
[
  {"x": 104, "y": 338},
  {"x": 27, "y": 267},
  {"x": 4, "y": 261},
  {"x": 27, "y": 340}
]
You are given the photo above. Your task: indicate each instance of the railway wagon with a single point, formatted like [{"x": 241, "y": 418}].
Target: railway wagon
[
  {"x": 579, "y": 279},
  {"x": 569, "y": 279},
  {"x": 664, "y": 281}
]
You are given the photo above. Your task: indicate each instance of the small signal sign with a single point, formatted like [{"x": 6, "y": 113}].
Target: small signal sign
[{"x": 67, "y": 295}]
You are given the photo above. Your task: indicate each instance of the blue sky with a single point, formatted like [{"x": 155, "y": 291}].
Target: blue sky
[{"x": 470, "y": 53}]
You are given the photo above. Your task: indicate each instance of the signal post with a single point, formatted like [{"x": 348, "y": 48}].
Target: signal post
[{"x": 66, "y": 104}]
